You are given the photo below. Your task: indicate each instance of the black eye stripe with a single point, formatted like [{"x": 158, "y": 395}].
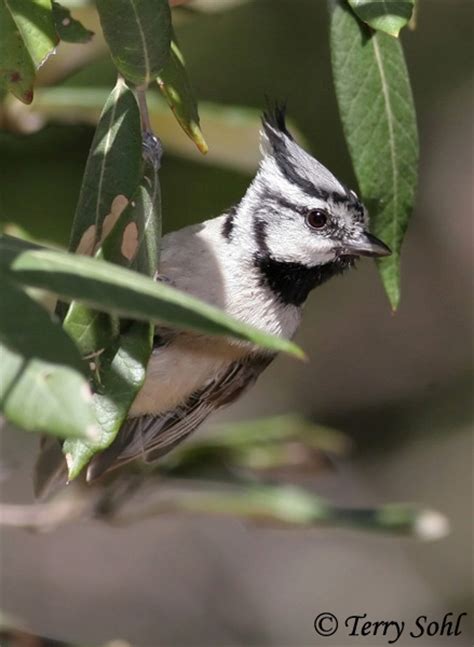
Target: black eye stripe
[
  {"x": 269, "y": 195},
  {"x": 286, "y": 204}
]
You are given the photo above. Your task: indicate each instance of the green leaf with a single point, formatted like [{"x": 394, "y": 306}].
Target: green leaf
[
  {"x": 111, "y": 176},
  {"x": 280, "y": 503},
  {"x": 176, "y": 88},
  {"x": 34, "y": 20},
  {"x": 17, "y": 72},
  {"x": 42, "y": 382},
  {"x": 389, "y": 16},
  {"x": 276, "y": 429},
  {"x": 110, "y": 179},
  {"x": 378, "y": 116},
  {"x": 27, "y": 38},
  {"x": 138, "y": 33},
  {"x": 135, "y": 239},
  {"x": 294, "y": 505},
  {"x": 123, "y": 292},
  {"x": 137, "y": 233},
  {"x": 121, "y": 370},
  {"x": 113, "y": 170},
  {"x": 287, "y": 441},
  {"x": 68, "y": 28},
  {"x": 91, "y": 330}
]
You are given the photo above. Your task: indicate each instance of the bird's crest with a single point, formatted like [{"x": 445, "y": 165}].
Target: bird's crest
[
  {"x": 295, "y": 165},
  {"x": 274, "y": 119}
]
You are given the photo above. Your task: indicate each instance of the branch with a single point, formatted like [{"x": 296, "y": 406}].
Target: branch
[
  {"x": 272, "y": 505},
  {"x": 46, "y": 516}
]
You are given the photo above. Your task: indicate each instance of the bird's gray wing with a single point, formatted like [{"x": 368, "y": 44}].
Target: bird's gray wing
[{"x": 149, "y": 437}]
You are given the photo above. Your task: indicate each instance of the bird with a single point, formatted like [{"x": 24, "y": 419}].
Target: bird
[{"x": 296, "y": 227}]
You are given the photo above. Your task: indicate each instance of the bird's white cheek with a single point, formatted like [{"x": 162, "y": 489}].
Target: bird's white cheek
[
  {"x": 306, "y": 249},
  {"x": 319, "y": 255}
]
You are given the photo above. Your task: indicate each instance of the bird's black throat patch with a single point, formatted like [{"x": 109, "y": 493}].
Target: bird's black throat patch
[{"x": 292, "y": 282}]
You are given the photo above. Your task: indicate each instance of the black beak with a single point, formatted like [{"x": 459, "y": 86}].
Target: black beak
[{"x": 367, "y": 245}]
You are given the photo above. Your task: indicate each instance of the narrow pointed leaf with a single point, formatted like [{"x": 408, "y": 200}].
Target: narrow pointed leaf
[
  {"x": 379, "y": 121},
  {"x": 123, "y": 368},
  {"x": 287, "y": 441},
  {"x": 42, "y": 380},
  {"x": 123, "y": 292},
  {"x": 138, "y": 33},
  {"x": 67, "y": 27},
  {"x": 290, "y": 505},
  {"x": 113, "y": 170},
  {"x": 136, "y": 233},
  {"x": 135, "y": 240},
  {"x": 176, "y": 88},
  {"x": 389, "y": 16}
]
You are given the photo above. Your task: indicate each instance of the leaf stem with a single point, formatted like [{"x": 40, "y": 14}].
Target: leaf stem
[{"x": 143, "y": 107}]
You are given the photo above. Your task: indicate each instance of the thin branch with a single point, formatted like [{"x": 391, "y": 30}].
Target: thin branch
[
  {"x": 265, "y": 504},
  {"x": 46, "y": 516},
  {"x": 143, "y": 107}
]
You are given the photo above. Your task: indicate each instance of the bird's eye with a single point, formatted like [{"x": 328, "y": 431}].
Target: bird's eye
[{"x": 317, "y": 218}]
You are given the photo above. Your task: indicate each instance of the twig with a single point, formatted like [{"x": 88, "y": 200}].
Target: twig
[
  {"x": 271, "y": 505},
  {"x": 143, "y": 107},
  {"x": 46, "y": 516},
  {"x": 152, "y": 146}
]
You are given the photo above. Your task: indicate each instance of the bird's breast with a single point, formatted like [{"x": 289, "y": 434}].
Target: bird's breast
[
  {"x": 182, "y": 367},
  {"x": 200, "y": 262}
]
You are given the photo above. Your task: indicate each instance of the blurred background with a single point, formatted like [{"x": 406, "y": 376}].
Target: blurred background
[{"x": 399, "y": 386}]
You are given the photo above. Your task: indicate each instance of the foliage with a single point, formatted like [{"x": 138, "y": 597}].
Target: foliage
[
  {"x": 118, "y": 217},
  {"x": 27, "y": 38},
  {"x": 138, "y": 35},
  {"x": 174, "y": 83},
  {"x": 389, "y": 16},
  {"x": 68, "y": 29},
  {"x": 37, "y": 379},
  {"x": 377, "y": 112}
]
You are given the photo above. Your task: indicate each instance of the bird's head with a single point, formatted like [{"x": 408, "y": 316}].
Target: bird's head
[{"x": 304, "y": 220}]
